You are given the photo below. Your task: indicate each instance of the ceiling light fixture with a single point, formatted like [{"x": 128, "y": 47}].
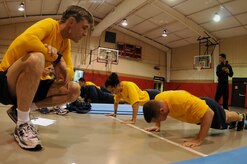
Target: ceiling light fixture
[
  {"x": 21, "y": 7},
  {"x": 124, "y": 23},
  {"x": 216, "y": 17},
  {"x": 164, "y": 33}
]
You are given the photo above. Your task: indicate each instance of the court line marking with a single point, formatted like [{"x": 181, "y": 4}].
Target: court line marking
[{"x": 164, "y": 139}]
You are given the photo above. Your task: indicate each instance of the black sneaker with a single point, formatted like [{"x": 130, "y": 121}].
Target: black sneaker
[
  {"x": 83, "y": 107},
  {"x": 12, "y": 113},
  {"x": 241, "y": 124},
  {"x": 44, "y": 110},
  {"x": 27, "y": 137},
  {"x": 233, "y": 125}
]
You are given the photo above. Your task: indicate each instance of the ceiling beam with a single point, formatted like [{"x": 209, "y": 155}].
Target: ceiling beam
[
  {"x": 121, "y": 11},
  {"x": 25, "y": 7},
  {"x": 42, "y": 7},
  {"x": 182, "y": 19},
  {"x": 6, "y": 7},
  {"x": 97, "y": 5},
  {"x": 59, "y": 6}
]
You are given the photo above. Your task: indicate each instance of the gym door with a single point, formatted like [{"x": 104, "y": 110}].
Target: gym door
[{"x": 239, "y": 92}]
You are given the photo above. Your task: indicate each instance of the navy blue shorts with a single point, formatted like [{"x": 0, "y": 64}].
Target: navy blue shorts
[
  {"x": 92, "y": 94},
  {"x": 219, "y": 119},
  {"x": 152, "y": 93}
]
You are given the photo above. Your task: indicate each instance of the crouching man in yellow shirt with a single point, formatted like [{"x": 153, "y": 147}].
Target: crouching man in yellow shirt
[
  {"x": 44, "y": 43},
  {"x": 185, "y": 107}
]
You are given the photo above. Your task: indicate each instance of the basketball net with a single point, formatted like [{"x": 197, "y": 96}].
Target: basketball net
[
  {"x": 109, "y": 63},
  {"x": 199, "y": 68}
]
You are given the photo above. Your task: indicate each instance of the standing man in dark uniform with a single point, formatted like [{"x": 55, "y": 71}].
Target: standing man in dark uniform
[{"x": 223, "y": 71}]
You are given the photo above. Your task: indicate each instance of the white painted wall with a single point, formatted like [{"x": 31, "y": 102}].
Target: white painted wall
[{"x": 182, "y": 60}]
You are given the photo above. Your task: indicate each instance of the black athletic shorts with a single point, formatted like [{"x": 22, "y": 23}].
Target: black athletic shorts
[
  {"x": 152, "y": 93},
  {"x": 219, "y": 119},
  {"x": 5, "y": 97}
]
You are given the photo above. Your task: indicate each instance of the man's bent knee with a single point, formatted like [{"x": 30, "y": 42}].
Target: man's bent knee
[
  {"x": 36, "y": 59},
  {"x": 31, "y": 65},
  {"x": 34, "y": 63},
  {"x": 74, "y": 91}
]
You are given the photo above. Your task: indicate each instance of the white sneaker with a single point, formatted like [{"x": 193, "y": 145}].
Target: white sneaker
[
  {"x": 27, "y": 137},
  {"x": 60, "y": 111}
]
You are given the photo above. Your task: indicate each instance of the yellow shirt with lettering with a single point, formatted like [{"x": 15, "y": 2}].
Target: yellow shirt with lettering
[
  {"x": 132, "y": 94},
  {"x": 183, "y": 105},
  {"x": 33, "y": 40}
]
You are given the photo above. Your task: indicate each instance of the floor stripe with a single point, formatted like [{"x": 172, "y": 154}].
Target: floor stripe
[{"x": 164, "y": 139}]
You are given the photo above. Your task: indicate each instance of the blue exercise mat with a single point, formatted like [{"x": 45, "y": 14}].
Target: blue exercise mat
[
  {"x": 230, "y": 157},
  {"x": 123, "y": 109}
]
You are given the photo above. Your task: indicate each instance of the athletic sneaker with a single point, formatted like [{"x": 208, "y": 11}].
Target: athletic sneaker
[
  {"x": 44, "y": 110},
  {"x": 233, "y": 125},
  {"x": 60, "y": 111},
  {"x": 241, "y": 124},
  {"x": 27, "y": 137},
  {"x": 12, "y": 113}
]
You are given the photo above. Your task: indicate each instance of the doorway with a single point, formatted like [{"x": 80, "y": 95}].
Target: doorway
[
  {"x": 159, "y": 83},
  {"x": 238, "y": 91}
]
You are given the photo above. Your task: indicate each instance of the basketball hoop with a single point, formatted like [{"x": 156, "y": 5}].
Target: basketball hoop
[
  {"x": 108, "y": 63},
  {"x": 107, "y": 56},
  {"x": 198, "y": 68}
]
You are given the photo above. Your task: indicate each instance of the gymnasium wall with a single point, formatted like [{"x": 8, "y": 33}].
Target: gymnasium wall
[
  {"x": 99, "y": 78},
  {"x": 142, "y": 69},
  {"x": 236, "y": 51},
  {"x": 151, "y": 57},
  {"x": 182, "y": 65},
  {"x": 9, "y": 33},
  {"x": 201, "y": 83},
  {"x": 182, "y": 60}
]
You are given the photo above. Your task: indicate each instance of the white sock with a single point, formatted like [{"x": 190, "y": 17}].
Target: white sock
[
  {"x": 33, "y": 107},
  {"x": 23, "y": 117},
  {"x": 61, "y": 106}
]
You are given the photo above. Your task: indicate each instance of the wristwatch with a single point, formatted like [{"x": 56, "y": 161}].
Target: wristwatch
[{"x": 60, "y": 55}]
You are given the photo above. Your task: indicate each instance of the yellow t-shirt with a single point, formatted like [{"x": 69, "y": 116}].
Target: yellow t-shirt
[
  {"x": 33, "y": 40},
  {"x": 184, "y": 106},
  {"x": 131, "y": 93},
  {"x": 46, "y": 77},
  {"x": 91, "y": 83}
]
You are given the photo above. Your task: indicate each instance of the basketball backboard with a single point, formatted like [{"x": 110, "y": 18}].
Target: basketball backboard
[
  {"x": 107, "y": 55},
  {"x": 202, "y": 61}
]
